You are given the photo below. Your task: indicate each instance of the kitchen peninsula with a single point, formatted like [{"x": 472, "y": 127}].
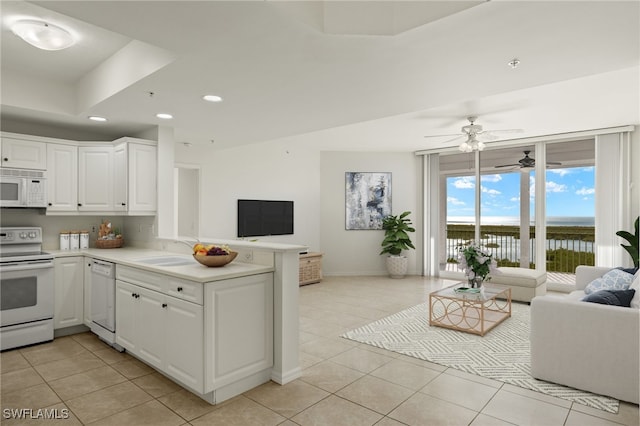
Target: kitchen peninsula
[{"x": 216, "y": 331}]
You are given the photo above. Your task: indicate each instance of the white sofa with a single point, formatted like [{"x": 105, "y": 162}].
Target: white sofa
[{"x": 585, "y": 345}]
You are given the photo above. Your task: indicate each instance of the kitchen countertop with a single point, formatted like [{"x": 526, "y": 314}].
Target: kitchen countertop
[{"x": 131, "y": 256}]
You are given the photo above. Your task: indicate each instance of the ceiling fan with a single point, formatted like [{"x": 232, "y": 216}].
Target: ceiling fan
[
  {"x": 475, "y": 136},
  {"x": 527, "y": 162}
]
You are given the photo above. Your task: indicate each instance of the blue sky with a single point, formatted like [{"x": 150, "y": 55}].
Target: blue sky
[{"x": 570, "y": 192}]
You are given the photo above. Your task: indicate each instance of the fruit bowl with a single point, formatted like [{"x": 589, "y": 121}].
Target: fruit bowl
[{"x": 215, "y": 261}]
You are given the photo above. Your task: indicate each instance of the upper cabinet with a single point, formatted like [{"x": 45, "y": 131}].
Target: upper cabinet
[
  {"x": 135, "y": 180},
  {"x": 23, "y": 154},
  {"x": 62, "y": 171},
  {"x": 95, "y": 179}
]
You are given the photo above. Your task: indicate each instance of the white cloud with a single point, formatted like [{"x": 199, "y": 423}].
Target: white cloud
[
  {"x": 560, "y": 172},
  {"x": 514, "y": 199},
  {"x": 465, "y": 183},
  {"x": 586, "y": 191},
  {"x": 556, "y": 187},
  {"x": 455, "y": 201},
  {"x": 491, "y": 178},
  {"x": 490, "y": 191}
]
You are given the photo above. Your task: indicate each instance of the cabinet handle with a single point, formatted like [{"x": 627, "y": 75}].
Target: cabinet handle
[
  {"x": 124, "y": 204},
  {"x": 79, "y": 205},
  {"x": 49, "y": 204},
  {"x": 179, "y": 288},
  {"x": 164, "y": 305},
  {"x": 5, "y": 159}
]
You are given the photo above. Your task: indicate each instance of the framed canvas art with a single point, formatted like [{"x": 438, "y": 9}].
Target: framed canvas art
[{"x": 368, "y": 199}]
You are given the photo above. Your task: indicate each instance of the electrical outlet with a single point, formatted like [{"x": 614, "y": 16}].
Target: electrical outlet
[
  {"x": 247, "y": 256},
  {"x": 94, "y": 229}
]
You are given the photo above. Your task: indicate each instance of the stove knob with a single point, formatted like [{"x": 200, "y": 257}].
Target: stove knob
[
  {"x": 32, "y": 235},
  {"x": 23, "y": 235}
]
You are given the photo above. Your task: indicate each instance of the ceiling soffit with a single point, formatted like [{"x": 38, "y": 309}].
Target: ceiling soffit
[{"x": 374, "y": 18}]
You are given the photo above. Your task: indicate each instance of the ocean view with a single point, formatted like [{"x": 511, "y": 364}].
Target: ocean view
[{"x": 515, "y": 220}]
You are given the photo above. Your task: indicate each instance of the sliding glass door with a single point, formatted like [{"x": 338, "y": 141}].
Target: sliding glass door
[{"x": 506, "y": 200}]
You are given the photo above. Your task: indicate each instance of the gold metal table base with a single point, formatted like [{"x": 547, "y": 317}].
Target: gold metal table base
[{"x": 475, "y": 313}]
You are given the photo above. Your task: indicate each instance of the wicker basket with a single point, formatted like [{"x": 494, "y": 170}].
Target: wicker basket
[{"x": 107, "y": 244}]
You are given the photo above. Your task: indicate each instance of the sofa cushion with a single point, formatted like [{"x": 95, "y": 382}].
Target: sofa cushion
[
  {"x": 615, "y": 279},
  {"x": 611, "y": 297},
  {"x": 635, "y": 302}
]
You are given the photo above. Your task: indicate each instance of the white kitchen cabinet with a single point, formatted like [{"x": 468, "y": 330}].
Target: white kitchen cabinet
[
  {"x": 69, "y": 291},
  {"x": 161, "y": 330},
  {"x": 135, "y": 179},
  {"x": 23, "y": 153},
  {"x": 95, "y": 178},
  {"x": 238, "y": 329},
  {"x": 62, "y": 178},
  {"x": 87, "y": 291}
]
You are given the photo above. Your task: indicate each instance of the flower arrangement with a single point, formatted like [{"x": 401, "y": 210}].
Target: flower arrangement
[{"x": 476, "y": 263}]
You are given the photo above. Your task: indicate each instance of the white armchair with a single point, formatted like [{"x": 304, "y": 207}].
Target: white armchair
[{"x": 584, "y": 345}]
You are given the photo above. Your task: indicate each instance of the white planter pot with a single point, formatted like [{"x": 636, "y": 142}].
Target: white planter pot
[{"x": 397, "y": 266}]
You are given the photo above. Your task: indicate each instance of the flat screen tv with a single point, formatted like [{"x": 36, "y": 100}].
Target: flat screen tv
[{"x": 264, "y": 217}]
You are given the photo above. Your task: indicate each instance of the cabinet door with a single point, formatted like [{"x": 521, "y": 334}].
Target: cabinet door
[
  {"x": 126, "y": 309},
  {"x": 24, "y": 154},
  {"x": 95, "y": 178},
  {"x": 142, "y": 166},
  {"x": 120, "y": 177},
  {"x": 150, "y": 326},
  {"x": 69, "y": 291},
  {"x": 238, "y": 329},
  {"x": 87, "y": 291},
  {"x": 62, "y": 177},
  {"x": 184, "y": 346}
]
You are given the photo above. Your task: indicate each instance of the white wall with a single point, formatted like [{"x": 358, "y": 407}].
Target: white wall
[
  {"x": 296, "y": 169},
  {"x": 356, "y": 252}
]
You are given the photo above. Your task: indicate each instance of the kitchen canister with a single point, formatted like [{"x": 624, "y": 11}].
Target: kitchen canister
[
  {"x": 74, "y": 240},
  {"x": 84, "y": 239},
  {"x": 64, "y": 240}
]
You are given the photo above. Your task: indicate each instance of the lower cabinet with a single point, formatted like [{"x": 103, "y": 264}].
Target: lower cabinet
[
  {"x": 219, "y": 346},
  {"x": 162, "y": 330},
  {"x": 69, "y": 291},
  {"x": 87, "y": 291}
]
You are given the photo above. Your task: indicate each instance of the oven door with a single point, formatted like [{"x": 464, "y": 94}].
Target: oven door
[
  {"x": 13, "y": 191},
  {"x": 26, "y": 292}
]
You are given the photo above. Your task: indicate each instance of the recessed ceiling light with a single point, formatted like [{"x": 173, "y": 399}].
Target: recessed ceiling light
[
  {"x": 514, "y": 63},
  {"x": 97, "y": 118},
  {"x": 212, "y": 98},
  {"x": 43, "y": 35},
  {"x": 164, "y": 116}
]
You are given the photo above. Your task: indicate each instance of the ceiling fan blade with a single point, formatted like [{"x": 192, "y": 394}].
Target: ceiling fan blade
[
  {"x": 442, "y": 136},
  {"x": 553, "y": 163},
  {"x": 503, "y": 131},
  {"x": 454, "y": 139},
  {"x": 507, "y": 165}
]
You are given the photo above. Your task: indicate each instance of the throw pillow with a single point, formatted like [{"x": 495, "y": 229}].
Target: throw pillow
[
  {"x": 611, "y": 297},
  {"x": 615, "y": 279},
  {"x": 631, "y": 271},
  {"x": 635, "y": 302}
]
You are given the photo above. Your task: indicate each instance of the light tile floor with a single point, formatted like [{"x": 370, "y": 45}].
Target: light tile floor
[{"x": 343, "y": 382}]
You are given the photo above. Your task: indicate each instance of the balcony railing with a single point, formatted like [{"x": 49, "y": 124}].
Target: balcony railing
[{"x": 567, "y": 246}]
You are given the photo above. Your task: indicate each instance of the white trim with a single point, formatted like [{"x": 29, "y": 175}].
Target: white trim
[{"x": 556, "y": 137}]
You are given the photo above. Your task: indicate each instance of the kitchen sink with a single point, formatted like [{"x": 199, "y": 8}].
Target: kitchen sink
[{"x": 167, "y": 261}]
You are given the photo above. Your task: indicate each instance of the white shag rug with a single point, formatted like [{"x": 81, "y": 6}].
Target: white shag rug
[{"x": 503, "y": 354}]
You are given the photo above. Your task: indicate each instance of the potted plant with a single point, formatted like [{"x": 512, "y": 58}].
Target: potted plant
[
  {"x": 396, "y": 239},
  {"x": 634, "y": 241},
  {"x": 477, "y": 265}
]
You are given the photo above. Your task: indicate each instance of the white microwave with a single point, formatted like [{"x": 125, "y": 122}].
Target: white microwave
[{"x": 23, "y": 188}]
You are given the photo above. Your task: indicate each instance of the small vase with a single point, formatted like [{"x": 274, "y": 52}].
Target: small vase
[
  {"x": 478, "y": 282},
  {"x": 471, "y": 282}
]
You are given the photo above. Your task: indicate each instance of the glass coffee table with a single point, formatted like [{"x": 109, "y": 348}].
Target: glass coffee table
[{"x": 475, "y": 311}]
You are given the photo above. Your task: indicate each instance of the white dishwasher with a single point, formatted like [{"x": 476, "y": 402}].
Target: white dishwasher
[{"x": 103, "y": 301}]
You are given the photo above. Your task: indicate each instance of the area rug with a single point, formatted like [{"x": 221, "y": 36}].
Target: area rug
[{"x": 502, "y": 354}]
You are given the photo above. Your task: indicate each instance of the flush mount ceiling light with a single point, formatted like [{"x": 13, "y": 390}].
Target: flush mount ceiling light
[
  {"x": 43, "y": 35},
  {"x": 97, "y": 118},
  {"x": 212, "y": 98},
  {"x": 164, "y": 116}
]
